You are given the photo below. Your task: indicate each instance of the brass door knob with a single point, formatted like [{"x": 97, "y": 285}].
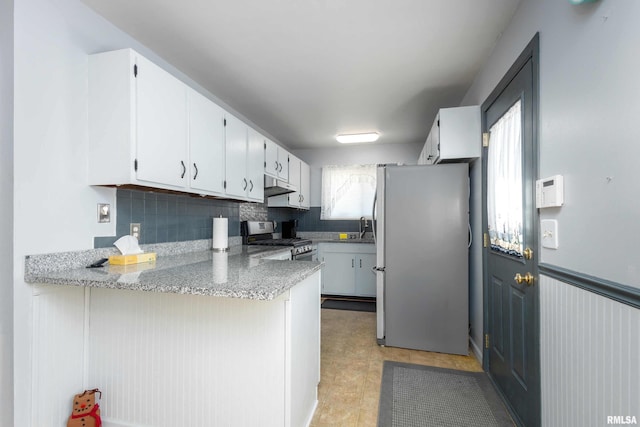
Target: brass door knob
[
  {"x": 528, "y": 253},
  {"x": 527, "y": 278}
]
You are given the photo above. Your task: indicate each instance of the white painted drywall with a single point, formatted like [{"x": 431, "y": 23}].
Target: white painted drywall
[
  {"x": 588, "y": 126},
  {"x": 588, "y": 132},
  {"x": 360, "y": 154},
  {"x": 6, "y": 213},
  {"x": 54, "y": 209}
]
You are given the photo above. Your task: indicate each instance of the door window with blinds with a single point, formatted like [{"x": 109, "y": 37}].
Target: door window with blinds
[
  {"x": 504, "y": 183},
  {"x": 347, "y": 191}
]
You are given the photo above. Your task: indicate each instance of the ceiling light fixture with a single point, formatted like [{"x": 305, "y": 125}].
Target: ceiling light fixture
[{"x": 358, "y": 137}]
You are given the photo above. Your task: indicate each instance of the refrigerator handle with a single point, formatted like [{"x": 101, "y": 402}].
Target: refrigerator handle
[{"x": 373, "y": 215}]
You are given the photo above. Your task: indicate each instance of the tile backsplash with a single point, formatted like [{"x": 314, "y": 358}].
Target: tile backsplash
[
  {"x": 169, "y": 217},
  {"x": 310, "y": 220},
  {"x": 175, "y": 217}
]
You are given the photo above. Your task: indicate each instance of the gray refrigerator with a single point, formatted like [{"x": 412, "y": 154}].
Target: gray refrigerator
[{"x": 421, "y": 220}]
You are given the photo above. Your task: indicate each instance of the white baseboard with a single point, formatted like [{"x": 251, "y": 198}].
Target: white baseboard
[
  {"x": 313, "y": 412},
  {"x": 476, "y": 350}
]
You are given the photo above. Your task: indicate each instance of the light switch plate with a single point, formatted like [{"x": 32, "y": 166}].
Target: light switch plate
[
  {"x": 549, "y": 233},
  {"x": 104, "y": 212}
]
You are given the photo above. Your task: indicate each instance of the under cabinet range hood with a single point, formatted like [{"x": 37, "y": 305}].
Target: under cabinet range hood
[{"x": 275, "y": 187}]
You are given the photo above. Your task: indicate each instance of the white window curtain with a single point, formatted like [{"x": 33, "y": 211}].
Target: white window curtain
[
  {"x": 347, "y": 191},
  {"x": 504, "y": 183}
]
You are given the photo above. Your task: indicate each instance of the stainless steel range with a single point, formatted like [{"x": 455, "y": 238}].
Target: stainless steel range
[{"x": 261, "y": 233}]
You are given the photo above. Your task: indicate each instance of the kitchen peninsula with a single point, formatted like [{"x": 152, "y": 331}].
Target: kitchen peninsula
[{"x": 197, "y": 338}]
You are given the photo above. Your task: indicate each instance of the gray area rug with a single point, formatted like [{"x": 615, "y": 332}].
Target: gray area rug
[{"x": 425, "y": 396}]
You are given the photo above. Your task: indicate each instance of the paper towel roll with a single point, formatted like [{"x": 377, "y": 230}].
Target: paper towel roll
[
  {"x": 220, "y": 234},
  {"x": 220, "y": 267}
]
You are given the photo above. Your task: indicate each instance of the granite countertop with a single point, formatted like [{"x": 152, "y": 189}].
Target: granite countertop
[
  {"x": 242, "y": 272},
  {"x": 334, "y": 237},
  {"x": 368, "y": 241}
]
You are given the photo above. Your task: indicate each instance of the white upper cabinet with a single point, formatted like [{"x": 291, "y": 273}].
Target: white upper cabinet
[
  {"x": 255, "y": 166},
  {"x": 293, "y": 199},
  {"x": 161, "y": 149},
  {"x": 299, "y": 177},
  {"x": 276, "y": 161},
  {"x": 244, "y": 161},
  {"x": 270, "y": 158},
  {"x": 305, "y": 185},
  {"x": 283, "y": 164},
  {"x": 148, "y": 128},
  {"x": 236, "y": 133},
  {"x": 137, "y": 123},
  {"x": 206, "y": 145},
  {"x": 455, "y": 136}
]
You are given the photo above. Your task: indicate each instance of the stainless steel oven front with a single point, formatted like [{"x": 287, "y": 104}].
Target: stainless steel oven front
[
  {"x": 303, "y": 253},
  {"x": 307, "y": 256}
]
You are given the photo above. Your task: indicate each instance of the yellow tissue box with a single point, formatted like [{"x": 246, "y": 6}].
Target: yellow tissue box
[
  {"x": 344, "y": 236},
  {"x": 131, "y": 268},
  {"x": 132, "y": 259}
]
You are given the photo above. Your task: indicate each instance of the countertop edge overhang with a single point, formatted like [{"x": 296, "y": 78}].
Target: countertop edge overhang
[{"x": 186, "y": 268}]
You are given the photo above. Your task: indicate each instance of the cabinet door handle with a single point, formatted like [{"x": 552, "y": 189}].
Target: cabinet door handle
[
  {"x": 276, "y": 165},
  {"x": 353, "y": 263},
  {"x": 360, "y": 262},
  {"x": 196, "y": 174},
  {"x": 251, "y": 188},
  {"x": 280, "y": 167},
  {"x": 184, "y": 169},
  {"x": 245, "y": 184}
]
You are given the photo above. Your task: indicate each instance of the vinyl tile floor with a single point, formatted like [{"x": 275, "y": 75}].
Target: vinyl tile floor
[{"x": 351, "y": 368}]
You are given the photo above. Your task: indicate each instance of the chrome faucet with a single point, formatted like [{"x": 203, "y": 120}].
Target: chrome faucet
[{"x": 363, "y": 223}]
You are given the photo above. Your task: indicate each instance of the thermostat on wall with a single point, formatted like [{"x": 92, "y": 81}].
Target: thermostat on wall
[{"x": 550, "y": 192}]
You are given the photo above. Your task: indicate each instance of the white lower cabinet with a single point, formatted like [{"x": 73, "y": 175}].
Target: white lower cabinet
[
  {"x": 338, "y": 275},
  {"x": 348, "y": 269},
  {"x": 365, "y": 276}
]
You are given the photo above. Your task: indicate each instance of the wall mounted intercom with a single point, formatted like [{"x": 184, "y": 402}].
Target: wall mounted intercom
[{"x": 550, "y": 192}]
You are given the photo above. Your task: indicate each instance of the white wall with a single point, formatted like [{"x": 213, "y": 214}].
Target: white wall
[
  {"x": 54, "y": 209},
  {"x": 6, "y": 213},
  {"x": 360, "y": 154},
  {"x": 589, "y": 106},
  {"x": 588, "y": 125}
]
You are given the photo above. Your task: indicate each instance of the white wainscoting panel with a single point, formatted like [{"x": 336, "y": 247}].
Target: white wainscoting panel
[
  {"x": 169, "y": 360},
  {"x": 590, "y": 356},
  {"x": 303, "y": 368},
  {"x": 58, "y": 352}
]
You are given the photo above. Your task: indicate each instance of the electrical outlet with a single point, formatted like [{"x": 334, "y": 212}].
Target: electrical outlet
[{"x": 135, "y": 229}]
